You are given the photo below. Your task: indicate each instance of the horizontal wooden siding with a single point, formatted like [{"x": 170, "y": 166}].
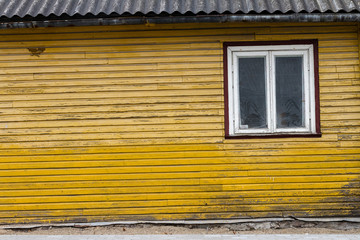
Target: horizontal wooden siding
[{"x": 127, "y": 123}]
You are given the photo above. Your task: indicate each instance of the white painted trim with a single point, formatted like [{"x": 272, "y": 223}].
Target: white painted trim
[
  {"x": 311, "y": 66},
  {"x": 235, "y": 88},
  {"x": 270, "y": 48},
  {"x": 306, "y": 79},
  {"x": 230, "y": 92},
  {"x": 270, "y": 52}
]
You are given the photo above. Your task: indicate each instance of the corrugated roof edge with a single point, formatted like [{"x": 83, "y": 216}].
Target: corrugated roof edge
[
  {"x": 23, "y": 8},
  {"x": 96, "y": 21}
]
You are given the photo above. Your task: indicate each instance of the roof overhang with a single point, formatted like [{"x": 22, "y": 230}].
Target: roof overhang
[{"x": 132, "y": 20}]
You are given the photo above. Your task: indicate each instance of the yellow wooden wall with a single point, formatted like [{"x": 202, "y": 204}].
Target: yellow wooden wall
[{"x": 127, "y": 123}]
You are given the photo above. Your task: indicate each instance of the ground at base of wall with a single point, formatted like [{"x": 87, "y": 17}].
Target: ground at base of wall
[{"x": 280, "y": 227}]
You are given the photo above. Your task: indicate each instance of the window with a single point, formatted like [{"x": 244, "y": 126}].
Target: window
[{"x": 271, "y": 89}]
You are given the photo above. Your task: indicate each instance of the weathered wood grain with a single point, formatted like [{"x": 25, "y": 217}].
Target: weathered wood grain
[{"x": 127, "y": 123}]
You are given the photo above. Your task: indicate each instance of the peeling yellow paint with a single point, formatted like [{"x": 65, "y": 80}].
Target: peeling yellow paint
[{"x": 127, "y": 123}]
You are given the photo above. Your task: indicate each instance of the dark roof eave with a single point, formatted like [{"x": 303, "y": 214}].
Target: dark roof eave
[{"x": 95, "y": 21}]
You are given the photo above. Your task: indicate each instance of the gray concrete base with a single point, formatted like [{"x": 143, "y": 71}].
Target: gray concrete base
[
  {"x": 185, "y": 237},
  {"x": 183, "y": 222}
]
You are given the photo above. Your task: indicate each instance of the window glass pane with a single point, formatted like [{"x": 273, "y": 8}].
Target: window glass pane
[
  {"x": 252, "y": 92},
  {"x": 289, "y": 92}
]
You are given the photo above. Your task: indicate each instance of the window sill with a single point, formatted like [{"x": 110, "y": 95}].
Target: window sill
[{"x": 287, "y": 135}]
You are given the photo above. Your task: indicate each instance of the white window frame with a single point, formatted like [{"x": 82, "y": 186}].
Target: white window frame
[{"x": 270, "y": 52}]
